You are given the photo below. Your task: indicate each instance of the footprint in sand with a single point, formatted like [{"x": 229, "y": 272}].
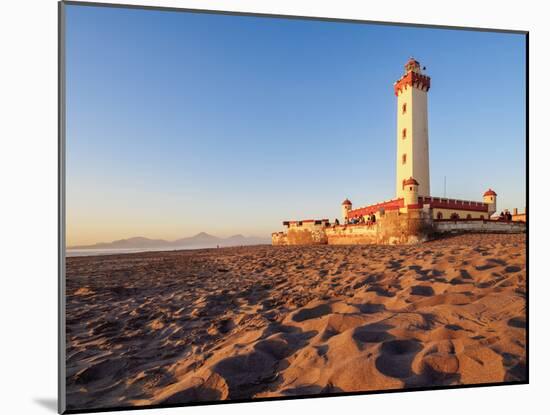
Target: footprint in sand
[
  {"x": 372, "y": 333},
  {"x": 422, "y": 290},
  {"x": 310, "y": 313},
  {"x": 441, "y": 366},
  {"x": 371, "y": 308},
  {"x": 396, "y": 357},
  {"x": 381, "y": 291},
  {"x": 485, "y": 267}
]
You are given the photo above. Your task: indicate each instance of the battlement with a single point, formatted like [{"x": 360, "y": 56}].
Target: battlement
[
  {"x": 412, "y": 79},
  {"x": 306, "y": 222},
  {"x": 389, "y": 205},
  {"x": 302, "y": 232},
  {"x": 454, "y": 204},
  {"x": 392, "y": 227}
]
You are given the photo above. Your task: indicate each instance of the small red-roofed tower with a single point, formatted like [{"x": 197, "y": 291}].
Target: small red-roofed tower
[
  {"x": 410, "y": 191},
  {"x": 411, "y": 91},
  {"x": 346, "y": 207},
  {"x": 490, "y": 198}
]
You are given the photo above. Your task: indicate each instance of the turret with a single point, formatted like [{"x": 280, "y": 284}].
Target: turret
[
  {"x": 410, "y": 191},
  {"x": 346, "y": 207},
  {"x": 490, "y": 198}
]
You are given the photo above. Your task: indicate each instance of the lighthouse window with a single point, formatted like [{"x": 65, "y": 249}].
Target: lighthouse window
[
  {"x": 404, "y": 159},
  {"x": 404, "y": 108},
  {"x": 404, "y": 133}
]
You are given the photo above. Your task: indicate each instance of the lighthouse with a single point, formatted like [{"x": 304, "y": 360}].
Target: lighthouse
[{"x": 411, "y": 91}]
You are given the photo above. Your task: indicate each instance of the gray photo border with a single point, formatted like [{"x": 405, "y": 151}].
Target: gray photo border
[{"x": 61, "y": 237}]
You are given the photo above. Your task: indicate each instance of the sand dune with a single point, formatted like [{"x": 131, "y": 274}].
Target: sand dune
[{"x": 234, "y": 323}]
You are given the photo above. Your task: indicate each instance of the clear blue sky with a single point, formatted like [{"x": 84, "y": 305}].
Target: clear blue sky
[{"x": 179, "y": 123}]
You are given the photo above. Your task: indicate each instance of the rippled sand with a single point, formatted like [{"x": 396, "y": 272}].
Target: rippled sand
[{"x": 234, "y": 323}]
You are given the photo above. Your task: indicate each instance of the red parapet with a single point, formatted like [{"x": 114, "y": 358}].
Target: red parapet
[
  {"x": 442, "y": 203},
  {"x": 368, "y": 210},
  {"x": 412, "y": 79},
  {"x": 410, "y": 181},
  {"x": 463, "y": 220},
  {"x": 459, "y": 206}
]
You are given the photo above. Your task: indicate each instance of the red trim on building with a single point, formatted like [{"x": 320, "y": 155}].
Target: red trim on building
[
  {"x": 440, "y": 203},
  {"x": 368, "y": 210},
  {"x": 433, "y": 202},
  {"x": 410, "y": 181},
  {"x": 489, "y": 192},
  {"x": 412, "y": 79},
  {"x": 464, "y": 220}
]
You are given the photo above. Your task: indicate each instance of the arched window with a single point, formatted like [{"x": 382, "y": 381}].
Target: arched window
[
  {"x": 482, "y": 217},
  {"x": 455, "y": 216},
  {"x": 404, "y": 159},
  {"x": 404, "y": 108},
  {"x": 404, "y": 133},
  {"x": 439, "y": 215},
  {"x": 468, "y": 216}
]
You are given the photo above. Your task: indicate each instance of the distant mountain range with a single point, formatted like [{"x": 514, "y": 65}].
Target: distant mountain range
[{"x": 199, "y": 241}]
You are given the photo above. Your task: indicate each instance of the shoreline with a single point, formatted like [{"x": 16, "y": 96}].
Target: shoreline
[
  {"x": 120, "y": 251},
  {"x": 91, "y": 252}
]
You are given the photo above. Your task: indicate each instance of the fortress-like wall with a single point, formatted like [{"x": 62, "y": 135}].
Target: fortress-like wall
[
  {"x": 478, "y": 226},
  {"x": 387, "y": 206},
  {"x": 353, "y": 234},
  {"x": 304, "y": 232},
  {"x": 391, "y": 228}
]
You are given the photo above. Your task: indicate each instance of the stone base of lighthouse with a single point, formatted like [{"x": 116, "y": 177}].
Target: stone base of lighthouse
[{"x": 403, "y": 227}]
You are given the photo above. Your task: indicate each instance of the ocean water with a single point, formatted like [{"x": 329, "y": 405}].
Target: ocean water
[{"x": 118, "y": 251}]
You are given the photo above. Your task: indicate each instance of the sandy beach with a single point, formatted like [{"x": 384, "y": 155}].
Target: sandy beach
[{"x": 263, "y": 321}]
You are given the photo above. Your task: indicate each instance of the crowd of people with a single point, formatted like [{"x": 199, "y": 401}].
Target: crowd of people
[
  {"x": 505, "y": 216},
  {"x": 371, "y": 219},
  {"x": 360, "y": 220}
]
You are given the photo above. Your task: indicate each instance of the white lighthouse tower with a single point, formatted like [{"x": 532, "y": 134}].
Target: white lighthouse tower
[{"x": 412, "y": 129}]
